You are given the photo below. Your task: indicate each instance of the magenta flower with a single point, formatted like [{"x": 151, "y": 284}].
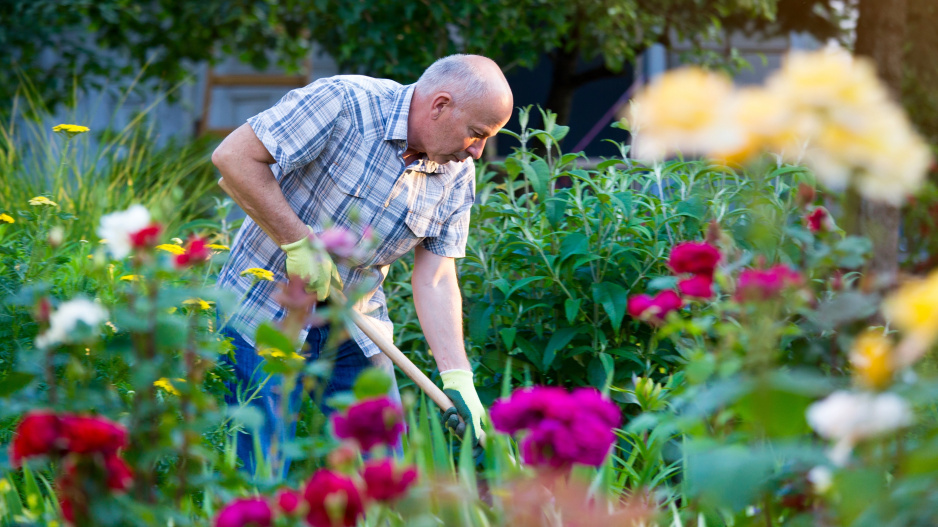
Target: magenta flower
[
  {"x": 700, "y": 286},
  {"x": 699, "y": 258},
  {"x": 763, "y": 284},
  {"x": 245, "y": 512},
  {"x": 370, "y": 422},
  {"x": 654, "y": 308},
  {"x": 559, "y": 423},
  {"x": 385, "y": 482},
  {"x": 818, "y": 220},
  {"x": 334, "y": 500},
  {"x": 289, "y": 501},
  {"x": 337, "y": 241}
]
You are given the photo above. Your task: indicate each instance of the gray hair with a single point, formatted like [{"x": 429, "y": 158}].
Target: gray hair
[{"x": 456, "y": 74}]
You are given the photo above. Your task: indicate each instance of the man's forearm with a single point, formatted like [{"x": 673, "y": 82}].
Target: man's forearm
[
  {"x": 251, "y": 184},
  {"x": 439, "y": 308}
]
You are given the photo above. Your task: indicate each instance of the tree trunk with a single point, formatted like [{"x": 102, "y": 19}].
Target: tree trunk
[{"x": 880, "y": 36}]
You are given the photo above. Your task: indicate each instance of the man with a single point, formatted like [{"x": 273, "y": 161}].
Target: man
[{"x": 400, "y": 159}]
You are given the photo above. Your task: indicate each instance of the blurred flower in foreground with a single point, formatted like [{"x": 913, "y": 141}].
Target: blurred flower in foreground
[
  {"x": 385, "y": 481},
  {"x": 699, "y": 286},
  {"x": 819, "y": 220},
  {"x": 196, "y": 253},
  {"x": 70, "y": 129},
  {"x": 764, "y": 284},
  {"x": 258, "y": 273},
  {"x": 564, "y": 428},
  {"x": 291, "y": 502},
  {"x": 688, "y": 110},
  {"x": 6, "y": 218},
  {"x": 699, "y": 258},
  {"x": 39, "y": 201},
  {"x": 244, "y": 512},
  {"x": 871, "y": 357},
  {"x": 117, "y": 229},
  {"x": 913, "y": 309},
  {"x": 654, "y": 309},
  {"x": 217, "y": 247},
  {"x": 849, "y": 417},
  {"x": 74, "y": 321},
  {"x": 171, "y": 248},
  {"x": 370, "y": 422},
  {"x": 334, "y": 500}
]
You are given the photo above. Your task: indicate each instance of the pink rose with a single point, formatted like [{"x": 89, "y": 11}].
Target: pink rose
[
  {"x": 337, "y": 241},
  {"x": 85, "y": 434},
  {"x": 370, "y": 422},
  {"x": 334, "y": 500},
  {"x": 245, "y": 512},
  {"x": 385, "y": 482},
  {"x": 654, "y": 308},
  {"x": 818, "y": 220},
  {"x": 759, "y": 284},
  {"x": 700, "y": 286},
  {"x": 694, "y": 257}
]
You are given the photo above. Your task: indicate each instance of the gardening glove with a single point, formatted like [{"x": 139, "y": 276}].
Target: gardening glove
[
  {"x": 315, "y": 267},
  {"x": 457, "y": 385}
]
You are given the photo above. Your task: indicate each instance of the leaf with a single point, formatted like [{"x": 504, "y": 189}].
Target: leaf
[
  {"x": 479, "y": 321},
  {"x": 614, "y": 300},
  {"x": 608, "y": 163},
  {"x": 600, "y": 370},
  {"x": 573, "y": 243},
  {"x": 268, "y": 336},
  {"x": 557, "y": 341},
  {"x": 661, "y": 283},
  {"x": 523, "y": 282},
  {"x": 538, "y": 173},
  {"x": 508, "y": 336},
  {"x": 572, "y": 308},
  {"x": 14, "y": 382},
  {"x": 371, "y": 383}
]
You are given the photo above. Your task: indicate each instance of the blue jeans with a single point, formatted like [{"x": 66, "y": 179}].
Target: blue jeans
[{"x": 251, "y": 389}]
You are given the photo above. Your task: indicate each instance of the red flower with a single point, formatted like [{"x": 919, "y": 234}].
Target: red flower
[
  {"x": 334, "y": 500},
  {"x": 289, "y": 501},
  {"x": 759, "y": 284},
  {"x": 654, "y": 308},
  {"x": 385, "y": 482},
  {"x": 700, "y": 286},
  {"x": 145, "y": 237},
  {"x": 39, "y": 433},
  {"x": 119, "y": 475},
  {"x": 370, "y": 422},
  {"x": 196, "y": 253},
  {"x": 84, "y": 434},
  {"x": 694, "y": 258},
  {"x": 818, "y": 220},
  {"x": 245, "y": 512}
]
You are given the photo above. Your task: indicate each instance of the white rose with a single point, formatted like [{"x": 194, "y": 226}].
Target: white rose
[
  {"x": 64, "y": 321},
  {"x": 847, "y": 418},
  {"x": 117, "y": 227}
]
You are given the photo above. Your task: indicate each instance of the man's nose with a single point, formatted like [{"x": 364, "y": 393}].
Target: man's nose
[{"x": 476, "y": 149}]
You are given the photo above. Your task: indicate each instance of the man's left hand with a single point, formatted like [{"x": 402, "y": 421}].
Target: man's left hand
[{"x": 458, "y": 386}]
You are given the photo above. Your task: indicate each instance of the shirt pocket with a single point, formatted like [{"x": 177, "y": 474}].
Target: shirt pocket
[
  {"x": 346, "y": 166},
  {"x": 429, "y": 210}
]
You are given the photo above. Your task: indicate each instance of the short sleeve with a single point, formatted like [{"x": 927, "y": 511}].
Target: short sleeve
[
  {"x": 451, "y": 242},
  {"x": 296, "y": 129}
]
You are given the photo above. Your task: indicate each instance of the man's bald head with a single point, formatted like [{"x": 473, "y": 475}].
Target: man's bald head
[{"x": 468, "y": 77}]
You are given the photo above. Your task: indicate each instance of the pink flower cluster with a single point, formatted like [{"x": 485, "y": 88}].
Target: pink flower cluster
[
  {"x": 764, "y": 284},
  {"x": 330, "y": 499},
  {"x": 564, "y": 427},
  {"x": 86, "y": 444},
  {"x": 370, "y": 422},
  {"x": 699, "y": 260},
  {"x": 343, "y": 244}
]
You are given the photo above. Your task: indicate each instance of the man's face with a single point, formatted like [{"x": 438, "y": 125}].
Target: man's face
[{"x": 460, "y": 131}]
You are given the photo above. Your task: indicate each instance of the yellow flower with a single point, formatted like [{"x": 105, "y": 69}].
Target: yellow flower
[
  {"x": 257, "y": 272},
  {"x": 218, "y": 247},
  {"x": 6, "y": 218},
  {"x": 171, "y": 248},
  {"x": 130, "y": 278},
  {"x": 203, "y": 304},
  {"x": 166, "y": 385},
  {"x": 914, "y": 307},
  {"x": 42, "y": 200},
  {"x": 872, "y": 360},
  {"x": 687, "y": 109},
  {"x": 273, "y": 353},
  {"x": 70, "y": 129}
]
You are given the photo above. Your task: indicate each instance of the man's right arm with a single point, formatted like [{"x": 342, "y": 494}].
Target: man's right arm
[{"x": 244, "y": 163}]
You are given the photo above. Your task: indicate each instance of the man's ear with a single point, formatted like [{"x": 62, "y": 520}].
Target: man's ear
[{"x": 441, "y": 101}]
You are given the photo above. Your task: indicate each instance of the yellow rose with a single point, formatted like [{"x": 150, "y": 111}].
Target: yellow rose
[{"x": 872, "y": 360}]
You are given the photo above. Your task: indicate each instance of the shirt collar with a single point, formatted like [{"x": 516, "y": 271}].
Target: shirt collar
[
  {"x": 396, "y": 130},
  {"x": 396, "y": 124}
]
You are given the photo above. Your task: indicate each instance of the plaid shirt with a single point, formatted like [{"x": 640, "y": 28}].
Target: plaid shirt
[{"x": 338, "y": 144}]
